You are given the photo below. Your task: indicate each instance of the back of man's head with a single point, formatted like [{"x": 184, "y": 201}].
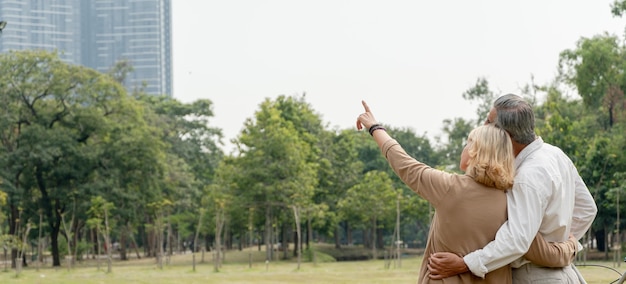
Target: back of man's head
[{"x": 515, "y": 115}]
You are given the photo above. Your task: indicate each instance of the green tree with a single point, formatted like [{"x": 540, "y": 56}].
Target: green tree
[
  {"x": 369, "y": 201},
  {"x": 132, "y": 168},
  {"x": 276, "y": 161},
  {"x": 596, "y": 67},
  {"x": 192, "y": 154},
  {"x": 56, "y": 112}
]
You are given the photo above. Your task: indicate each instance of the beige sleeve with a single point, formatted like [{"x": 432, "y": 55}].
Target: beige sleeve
[
  {"x": 431, "y": 184},
  {"x": 552, "y": 254}
]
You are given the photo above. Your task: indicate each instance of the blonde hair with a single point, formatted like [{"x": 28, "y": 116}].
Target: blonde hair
[{"x": 491, "y": 157}]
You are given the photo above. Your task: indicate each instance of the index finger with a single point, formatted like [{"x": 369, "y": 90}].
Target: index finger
[{"x": 367, "y": 108}]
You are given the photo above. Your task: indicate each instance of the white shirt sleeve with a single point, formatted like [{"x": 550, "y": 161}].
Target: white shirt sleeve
[
  {"x": 585, "y": 209},
  {"x": 525, "y": 207}
]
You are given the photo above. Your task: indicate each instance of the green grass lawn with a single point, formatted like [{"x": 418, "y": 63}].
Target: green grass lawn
[{"x": 236, "y": 270}]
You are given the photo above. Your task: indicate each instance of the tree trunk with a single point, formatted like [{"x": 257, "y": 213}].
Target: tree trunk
[
  {"x": 194, "y": 247},
  {"x": 123, "y": 240},
  {"x": 374, "y": 256},
  {"x": 380, "y": 241},
  {"x": 397, "y": 235},
  {"x": 285, "y": 243},
  {"x": 141, "y": 234},
  {"x": 367, "y": 236},
  {"x": 600, "y": 244},
  {"x": 14, "y": 258},
  {"x": 151, "y": 239},
  {"x": 55, "y": 230},
  {"x": 228, "y": 236},
  {"x": 133, "y": 242},
  {"x": 294, "y": 236},
  {"x": 150, "y": 243},
  {"x": 275, "y": 235},
  {"x": 168, "y": 241},
  {"x": 53, "y": 216},
  {"x": 606, "y": 243},
  {"x": 207, "y": 243},
  {"x": 309, "y": 232},
  {"x": 14, "y": 216},
  {"x": 107, "y": 240},
  {"x": 268, "y": 234},
  {"x": 337, "y": 237},
  {"x": 13, "y": 223},
  {"x": 159, "y": 239},
  {"x": 76, "y": 236},
  {"x": 349, "y": 234},
  {"x": 21, "y": 254},
  {"x": 298, "y": 243},
  {"x": 98, "y": 253},
  {"x": 219, "y": 225},
  {"x": 68, "y": 236},
  {"x": 39, "y": 246}
]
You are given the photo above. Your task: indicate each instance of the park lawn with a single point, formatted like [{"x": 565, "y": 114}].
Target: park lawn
[
  {"x": 237, "y": 270},
  {"x": 181, "y": 271}
]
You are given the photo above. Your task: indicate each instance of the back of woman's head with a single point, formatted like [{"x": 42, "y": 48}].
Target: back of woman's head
[
  {"x": 490, "y": 157},
  {"x": 515, "y": 115}
]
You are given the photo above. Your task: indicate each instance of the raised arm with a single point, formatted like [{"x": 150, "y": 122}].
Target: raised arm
[{"x": 429, "y": 183}]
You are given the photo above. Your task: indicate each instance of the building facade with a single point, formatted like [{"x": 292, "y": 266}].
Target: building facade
[{"x": 97, "y": 34}]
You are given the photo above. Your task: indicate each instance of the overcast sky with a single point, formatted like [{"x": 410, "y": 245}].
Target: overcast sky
[{"x": 410, "y": 60}]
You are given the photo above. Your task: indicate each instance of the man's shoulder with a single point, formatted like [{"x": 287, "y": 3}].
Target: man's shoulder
[
  {"x": 543, "y": 154},
  {"x": 542, "y": 166},
  {"x": 546, "y": 148}
]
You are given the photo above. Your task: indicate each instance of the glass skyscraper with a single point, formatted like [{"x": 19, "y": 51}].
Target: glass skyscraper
[{"x": 97, "y": 34}]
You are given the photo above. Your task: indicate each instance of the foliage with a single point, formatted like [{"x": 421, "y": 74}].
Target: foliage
[
  {"x": 339, "y": 169},
  {"x": 373, "y": 198},
  {"x": 595, "y": 67}
]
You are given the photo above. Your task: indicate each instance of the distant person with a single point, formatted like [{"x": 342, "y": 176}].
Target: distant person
[
  {"x": 548, "y": 197},
  {"x": 469, "y": 208}
]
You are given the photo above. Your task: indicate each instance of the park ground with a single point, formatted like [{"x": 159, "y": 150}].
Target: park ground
[{"x": 237, "y": 268}]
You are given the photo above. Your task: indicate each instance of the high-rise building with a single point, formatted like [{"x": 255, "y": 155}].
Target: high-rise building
[
  {"x": 97, "y": 34},
  {"x": 50, "y": 25}
]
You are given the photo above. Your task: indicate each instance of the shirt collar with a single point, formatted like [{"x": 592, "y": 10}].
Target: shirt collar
[{"x": 529, "y": 149}]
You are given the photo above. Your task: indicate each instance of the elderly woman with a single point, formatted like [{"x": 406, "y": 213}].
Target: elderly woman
[{"x": 470, "y": 207}]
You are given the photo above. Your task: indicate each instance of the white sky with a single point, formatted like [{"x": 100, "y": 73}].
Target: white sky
[{"x": 410, "y": 60}]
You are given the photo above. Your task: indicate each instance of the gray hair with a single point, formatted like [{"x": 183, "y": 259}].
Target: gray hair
[{"x": 515, "y": 115}]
